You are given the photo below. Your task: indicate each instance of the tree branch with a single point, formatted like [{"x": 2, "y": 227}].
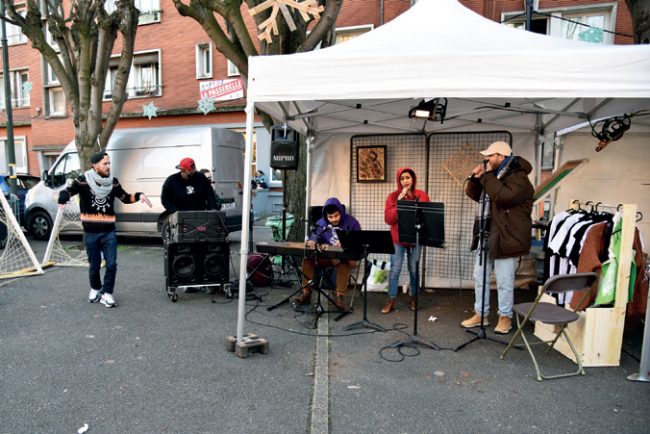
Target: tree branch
[{"x": 323, "y": 27}]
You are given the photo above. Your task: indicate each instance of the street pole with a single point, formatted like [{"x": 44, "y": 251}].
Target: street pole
[
  {"x": 9, "y": 143},
  {"x": 529, "y": 14}
]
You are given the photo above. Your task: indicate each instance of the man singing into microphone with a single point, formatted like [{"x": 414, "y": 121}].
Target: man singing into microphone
[
  {"x": 509, "y": 201},
  {"x": 334, "y": 219}
]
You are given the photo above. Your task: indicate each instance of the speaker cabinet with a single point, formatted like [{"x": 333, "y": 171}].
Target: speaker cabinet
[
  {"x": 196, "y": 263},
  {"x": 284, "y": 148},
  {"x": 193, "y": 226}
]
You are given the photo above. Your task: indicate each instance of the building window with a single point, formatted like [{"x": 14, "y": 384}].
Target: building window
[
  {"x": 49, "y": 77},
  {"x": 144, "y": 78},
  {"x": 585, "y": 27},
  {"x": 14, "y": 33},
  {"x": 50, "y": 39},
  {"x": 54, "y": 102},
  {"x": 232, "y": 69},
  {"x": 19, "y": 97},
  {"x": 346, "y": 33},
  {"x": 203, "y": 61},
  {"x": 587, "y": 23},
  {"x": 150, "y": 11},
  {"x": 20, "y": 152}
]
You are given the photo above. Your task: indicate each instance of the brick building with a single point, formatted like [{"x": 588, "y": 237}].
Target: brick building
[{"x": 174, "y": 58}]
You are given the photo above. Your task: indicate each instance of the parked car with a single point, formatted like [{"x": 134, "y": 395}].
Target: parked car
[
  {"x": 25, "y": 182},
  {"x": 141, "y": 159}
]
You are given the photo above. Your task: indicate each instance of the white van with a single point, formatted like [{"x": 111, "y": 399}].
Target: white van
[{"x": 141, "y": 159}]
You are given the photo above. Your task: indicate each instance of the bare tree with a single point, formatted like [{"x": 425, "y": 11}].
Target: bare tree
[
  {"x": 640, "y": 11},
  {"x": 79, "y": 50},
  {"x": 224, "y": 23}
]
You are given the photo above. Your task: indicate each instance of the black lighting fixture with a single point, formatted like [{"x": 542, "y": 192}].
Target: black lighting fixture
[
  {"x": 611, "y": 129},
  {"x": 434, "y": 109}
]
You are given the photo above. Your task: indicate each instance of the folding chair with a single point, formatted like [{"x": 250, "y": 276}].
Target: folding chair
[{"x": 550, "y": 313}]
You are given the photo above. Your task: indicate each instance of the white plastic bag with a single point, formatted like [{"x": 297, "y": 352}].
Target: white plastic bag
[{"x": 378, "y": 277}]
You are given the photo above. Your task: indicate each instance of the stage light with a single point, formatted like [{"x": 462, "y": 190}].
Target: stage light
[
  {"x": 434, "y": 109},
  {"x": 611, "y": 129}
]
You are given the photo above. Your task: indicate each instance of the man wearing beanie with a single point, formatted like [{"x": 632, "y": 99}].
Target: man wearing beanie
[
  {"x": 502, "y": 182},
  {"x": 97, "y": 189}
]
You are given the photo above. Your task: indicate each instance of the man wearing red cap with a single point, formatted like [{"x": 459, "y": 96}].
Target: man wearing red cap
[{"x": 187, "y": 190}]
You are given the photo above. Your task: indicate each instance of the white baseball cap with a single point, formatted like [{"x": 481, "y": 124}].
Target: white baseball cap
[{"x": 499, "y": 147}]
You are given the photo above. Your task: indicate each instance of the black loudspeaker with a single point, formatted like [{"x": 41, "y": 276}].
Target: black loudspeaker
[
  {"x": 196, "y": 263},
  {"x": 192, "y": 226},
  {"x": 284, "y": 148}
]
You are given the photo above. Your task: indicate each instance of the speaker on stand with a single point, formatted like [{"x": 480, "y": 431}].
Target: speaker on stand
[{"x": 284, "y": 156}]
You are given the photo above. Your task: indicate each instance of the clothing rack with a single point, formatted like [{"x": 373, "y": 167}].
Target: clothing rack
[{"x": 598, "y": 333}]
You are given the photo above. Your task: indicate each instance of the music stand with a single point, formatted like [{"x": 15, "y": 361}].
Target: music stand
[
  {"x": 366, "y": 242},
  {"x": 422, "y": 228}
]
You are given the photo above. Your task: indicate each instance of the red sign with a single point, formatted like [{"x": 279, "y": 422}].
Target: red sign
[{"x": 222, "y": 90}]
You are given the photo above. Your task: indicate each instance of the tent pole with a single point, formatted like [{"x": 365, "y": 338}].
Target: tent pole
[
  {"x": 246, "y": 205},
  {"x": 310, "y": 142}
]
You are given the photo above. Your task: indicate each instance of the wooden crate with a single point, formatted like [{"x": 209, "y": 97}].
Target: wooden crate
[{"x": 598, "y": 333}]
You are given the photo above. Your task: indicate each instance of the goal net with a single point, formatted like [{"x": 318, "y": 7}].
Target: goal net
[
  {"x": 68, "y": 255},
  {"x": 16, "y": 255}
]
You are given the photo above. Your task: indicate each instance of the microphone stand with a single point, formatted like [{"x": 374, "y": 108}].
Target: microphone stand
[
  {"x": 483, "y": 257},
  {"x": 319, "y": 309},
  {"x": 299, "y": 275}
]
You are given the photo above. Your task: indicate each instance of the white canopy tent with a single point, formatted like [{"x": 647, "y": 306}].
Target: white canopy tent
[{"x": 492, "y": 75}]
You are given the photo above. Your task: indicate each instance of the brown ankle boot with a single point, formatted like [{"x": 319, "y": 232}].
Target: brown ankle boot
[
  {"x": 390, "y": 305},
  {"x": 414, "y": 303},
  {"x": 302, "y": 299}
]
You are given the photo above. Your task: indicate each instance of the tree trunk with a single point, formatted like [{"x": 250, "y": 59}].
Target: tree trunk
[{"x": 86, "y": 148}]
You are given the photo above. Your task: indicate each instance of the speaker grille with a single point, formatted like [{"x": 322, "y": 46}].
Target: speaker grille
[{"x": 191, "y": 263}]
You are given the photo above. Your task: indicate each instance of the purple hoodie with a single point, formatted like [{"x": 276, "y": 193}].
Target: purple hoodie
[{"x": 327, "y": 235}]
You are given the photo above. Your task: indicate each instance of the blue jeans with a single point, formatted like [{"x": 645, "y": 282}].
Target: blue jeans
[
  {"x": 504, "y": 269},
  {"x": 396, "y": 260},
  {"x": 97, "y": 244}
]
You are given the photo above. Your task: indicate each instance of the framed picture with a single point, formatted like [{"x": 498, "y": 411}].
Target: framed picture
[{"x": 371, "y": 163}]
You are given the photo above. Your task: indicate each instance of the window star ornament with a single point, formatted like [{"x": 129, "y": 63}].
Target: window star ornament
[
  {"x": 305, "y": 8},
  {"x": 206, "y": 105},
  {"x": 150, "y": 110}
]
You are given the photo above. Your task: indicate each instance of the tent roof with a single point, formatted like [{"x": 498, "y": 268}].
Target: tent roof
[{"x": 493, "y": 75}]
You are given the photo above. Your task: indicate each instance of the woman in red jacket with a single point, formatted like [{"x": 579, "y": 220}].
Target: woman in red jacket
[{"x": 406, "y": 190}]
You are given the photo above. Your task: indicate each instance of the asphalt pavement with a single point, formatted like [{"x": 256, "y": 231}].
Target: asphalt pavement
[{"x": 153, "y": 366}]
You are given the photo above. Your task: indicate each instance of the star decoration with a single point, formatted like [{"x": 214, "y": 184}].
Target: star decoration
[
  {"x": 305, "y": 7},
  {"x": 150, "y": 110},
  {"x": 27, "y": 86},
  {"x": 206, "y": 105}
]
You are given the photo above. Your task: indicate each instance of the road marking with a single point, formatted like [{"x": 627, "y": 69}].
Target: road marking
[{"x": 320, "y": 397}]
